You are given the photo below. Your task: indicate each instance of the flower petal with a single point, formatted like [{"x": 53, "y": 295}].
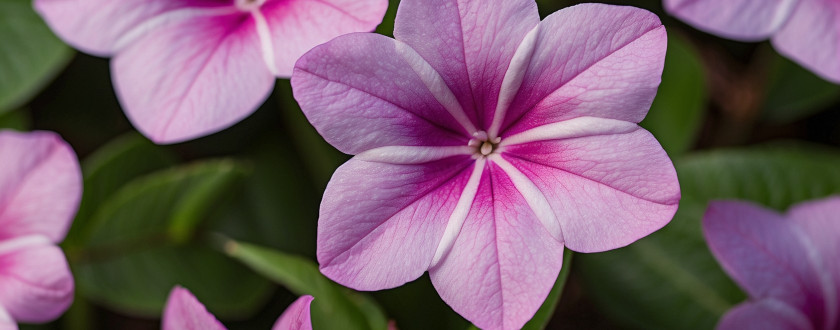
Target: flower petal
[
  {"x": 296, "y": 317},
  {"x": 184, "y": 312},
  {"x": 471, "y": 44},
  {"x": 590, "y": 60},
  {"x": 745, "y": 20},
  {"x": 192, "y": 78},
  {"x": 298, "y": 25},
  {"x": 99, "y": 26},
  {"x": 6, "y": 322},
  {"x": 503, "y": 263},
  {"x": 35, "y": 281},
  {"x": 40, "y": 185},
  {"x": 381, "y": 223},
  {"x": 811, "y": 37},
  {"x": 364, "y": 91},
  {"x": 606, "y": 190},
  {"x": 768, "y": 256},
  {"x": 766, "y": 314},
  {"x": 821, "y": 224}
]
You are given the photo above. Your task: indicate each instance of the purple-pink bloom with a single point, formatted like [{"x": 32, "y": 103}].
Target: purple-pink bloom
[
  {"x": 184, "y": 312},
  {"x": 788, "y": 264},
  {"x": 183, "y": 69},
  {"x": 40, "y": 191},
  {"x": 485, "y": 141},
  {"x": 807, "y": 31}
]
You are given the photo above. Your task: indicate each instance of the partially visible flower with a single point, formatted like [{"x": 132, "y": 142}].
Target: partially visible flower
[
  {"x": 485, "y": 142},
  {"x": 788, "y": 264},
  {"x": 807, "y": 31},
  {"x": 184, "y": 312},
  {"x": 183, "y": 69},
  {"x": 40, "y": 191}
]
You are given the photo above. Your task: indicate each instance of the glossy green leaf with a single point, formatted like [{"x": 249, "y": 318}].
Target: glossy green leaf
[
  {"x": 669, "y": 280},
  {"x": 334, "y": 307},
  {"x": 678, "y": 110},
  {"x": 794, "y": 93},
  {"x": 143, "y": 243},
  {"x": 30, "y": 55},
  {"x": 108, "y": 169}
]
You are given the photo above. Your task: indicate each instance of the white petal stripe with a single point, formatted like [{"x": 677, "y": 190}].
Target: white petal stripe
[
  {"x": 412, "y": 154},
  {"x": 459, "y": 214},
  {"x": 513, "y": 79},
  {"x": 572, "y": 128},
  {"x": 266, "y": 45},
  {"x": 533, "y": 196},
  {"x": 14, "y": 244}
]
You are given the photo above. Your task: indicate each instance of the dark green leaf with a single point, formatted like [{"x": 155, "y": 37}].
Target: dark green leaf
[
  {"x": 108, "y": 169},
  {"x": 669, "y": 280},
  {"x": 334, "y": 307},
  {"x": 794, "y": 93},
  {"x": 677, "y": 112},
  {"x": 30, "y": 55},
  {"x": 140, "y": 245},
  {"x": 16, "y": 119}
]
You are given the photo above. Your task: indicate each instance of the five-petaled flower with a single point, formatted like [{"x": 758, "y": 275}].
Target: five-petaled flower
[
  {"x": 183, "y": 69},
  {"x": 184, "y": 312},
  {"x": 485, "y": 141},
  {"x": 789, "y": 264},
  {"x": 807, "y": 31},
  {"x": 40, "y": 191}
]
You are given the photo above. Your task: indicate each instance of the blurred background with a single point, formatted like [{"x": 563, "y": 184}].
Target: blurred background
[{"x": 233, "y": 216}]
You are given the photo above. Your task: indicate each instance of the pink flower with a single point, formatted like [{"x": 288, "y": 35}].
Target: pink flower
[
  {"x": 485, "y": 142},
  {"x": 789, "y": 264},
  {"x": 807, "y": 31},
  {"x": 184, "y": 312},
  {"x": 40, "y": 191},
  {"x": 183, "y": 69}
]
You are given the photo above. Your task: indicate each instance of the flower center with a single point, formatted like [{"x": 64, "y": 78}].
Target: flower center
[
  {"x": 249, "y": 5},
  {"x": 484, "y": 146}
]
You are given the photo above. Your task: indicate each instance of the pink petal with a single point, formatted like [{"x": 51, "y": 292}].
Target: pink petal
[
  {"x": 192, "y": 78},
  {"x": 6, "y": 322},
  {"x": 184, "y": 312},
  {"x": 745, "y": 20},
  {"x": 471, "y": 44},
  {"x": 767, "y": 314},
  {"x": 380, "y": 223},
  {"x": 296, "y": 317},
  {"x": 298, "y": 25},
  {"x": 589, "y": 60},
  {"x": 820, "y": 220},
  {"x": 35, "y": 281},
  {"x": 768, "y": 256},
  {"x": 100, "y": 27},
  {"x": 363, "y": 91},
  {"x": 607, "y": 191},
  {"x": 40, "y": 185},
  {"x": 811, "y": 37},
  {"x": 503, "y": 263}
]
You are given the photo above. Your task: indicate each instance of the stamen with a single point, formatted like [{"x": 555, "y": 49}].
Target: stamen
[
  {"x": 480, "y": 135},
  {"x": 486, "y": 148}
]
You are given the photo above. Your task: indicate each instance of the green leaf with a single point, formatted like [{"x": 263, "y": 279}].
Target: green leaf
[
  {"x": 794, "y": 93},
  {"x": 16, "y": 119},
  {"x": 670, "y": 280},
  {"x": 677, "y": 112},
  {"x": 546, "y": 311},
  {"x": 108, "y": 169},
  {"x": 277, "y": 206},
  {"x": 139, "y": 246},
  {"x": 334, "y": 307},
  {"x": 30, "y": 56}
]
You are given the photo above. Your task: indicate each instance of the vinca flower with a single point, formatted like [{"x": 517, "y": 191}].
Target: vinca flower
[
  {"x": 807, "y": 31},
  {"x": 183, "y": 69},
  {"x": 184, "y": 312},
  {"x": 485, "y": 142},
  {"x": 40, "y": 191},
  {"x": 788, "y": 264}
]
